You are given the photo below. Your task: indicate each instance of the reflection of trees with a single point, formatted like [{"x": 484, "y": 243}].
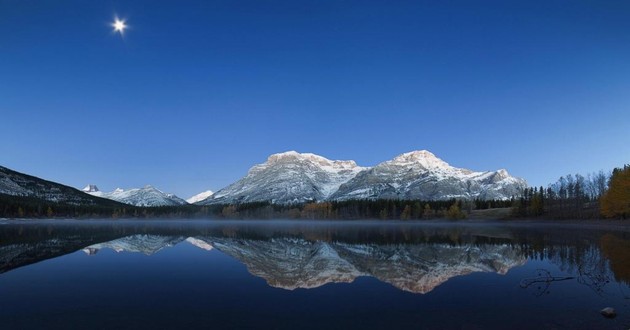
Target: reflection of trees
[
  {"x": 542, "y": 281},
  {"x": 595, "y": 255},
  {"x": 594, "y": 270},
  {"x": 586, "y": 261},
  {"x": 617, "y": 250}
]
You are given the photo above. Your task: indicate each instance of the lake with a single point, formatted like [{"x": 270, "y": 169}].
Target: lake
[{"x": 65, "y": 274}]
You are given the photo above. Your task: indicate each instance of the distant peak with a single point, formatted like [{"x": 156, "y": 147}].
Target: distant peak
[{"x": 91, "y": 188}]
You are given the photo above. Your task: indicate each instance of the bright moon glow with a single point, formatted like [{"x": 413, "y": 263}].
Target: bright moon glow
[{"x": 119, "y": 26}]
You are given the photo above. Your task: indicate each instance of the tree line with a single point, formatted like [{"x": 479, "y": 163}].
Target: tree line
[
  {"x": 384, "y": 209},
  {"x": 571, "y": 197},
  {"x": 593, "y": 196}
]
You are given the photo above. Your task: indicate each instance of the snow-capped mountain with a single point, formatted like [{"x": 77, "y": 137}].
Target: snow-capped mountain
[
  {"x": 200, "y": 196},
  {"x": 421, "y": 175},
  {"x": 147, "y": 196},
  {"x": 293, "y": 177},
  {"x": 19, "y": 184},
  {"x": 288, "y": 177}
]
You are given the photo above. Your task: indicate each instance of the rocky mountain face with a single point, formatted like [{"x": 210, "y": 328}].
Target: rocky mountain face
[
  {"x": 421, "y": 175},
  {"x": 19, "y": 184},
  {"x": 292, "y": 177},
  {"x": 288, "y": 177},
  {"x": 147, "y": 196}
]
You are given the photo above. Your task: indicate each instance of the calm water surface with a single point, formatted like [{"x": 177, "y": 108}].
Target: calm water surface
[{"x": 312, "y": 275}]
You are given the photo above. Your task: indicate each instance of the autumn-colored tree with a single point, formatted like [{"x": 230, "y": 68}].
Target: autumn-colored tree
[
  {"x": 406, "y": 213},
  {"x": 317, "y": 211},
  {"x": 427, "y": 213},
  {"x": 229, "y": 211},
  {"x": 615, "y": 203},
  {"x": 454, "y": 212}
]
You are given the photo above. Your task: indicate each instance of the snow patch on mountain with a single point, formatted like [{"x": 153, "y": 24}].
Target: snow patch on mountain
[{"x": 200, "y": 196}]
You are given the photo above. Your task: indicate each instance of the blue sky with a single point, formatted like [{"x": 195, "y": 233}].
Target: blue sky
[{"x": 196, "y": 92}]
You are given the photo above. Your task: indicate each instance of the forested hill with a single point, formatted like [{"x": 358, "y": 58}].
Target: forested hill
[{"x": 30, "y": 189}]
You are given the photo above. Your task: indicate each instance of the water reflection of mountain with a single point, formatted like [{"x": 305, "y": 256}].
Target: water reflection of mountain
[
  {"x": 292, "y": 263},
  {"x": 296, "y": 263},
  {"x": 143, "y": 243},
  {"x": 414, "y": 258}
]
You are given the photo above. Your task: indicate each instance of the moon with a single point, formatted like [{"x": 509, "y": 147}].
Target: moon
[{"x": 119, "y": 25}]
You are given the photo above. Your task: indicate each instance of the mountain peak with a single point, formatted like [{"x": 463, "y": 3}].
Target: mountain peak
[
  {"x": 423, "y": 157},
  {"x": 283, "y": 155},
  {"x": 91, "y": 188},
  {"x": 292, "y": 154},
  {"x": 310, "y": 157},
  {"x": 288, "y": 177}
]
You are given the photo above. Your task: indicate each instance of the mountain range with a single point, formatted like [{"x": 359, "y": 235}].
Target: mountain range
[
  {"x": 147, "y": 196},
  {"x": 293, "y": 177}
]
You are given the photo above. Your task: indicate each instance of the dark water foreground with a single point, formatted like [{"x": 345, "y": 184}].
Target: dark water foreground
[{"x": 312, "y": 275}]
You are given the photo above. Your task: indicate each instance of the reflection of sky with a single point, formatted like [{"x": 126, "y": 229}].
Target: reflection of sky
[{"x": 188, "y": 285}]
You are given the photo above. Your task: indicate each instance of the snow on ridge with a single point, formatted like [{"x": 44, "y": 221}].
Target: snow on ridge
[{"x": 200, "y": 196}]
